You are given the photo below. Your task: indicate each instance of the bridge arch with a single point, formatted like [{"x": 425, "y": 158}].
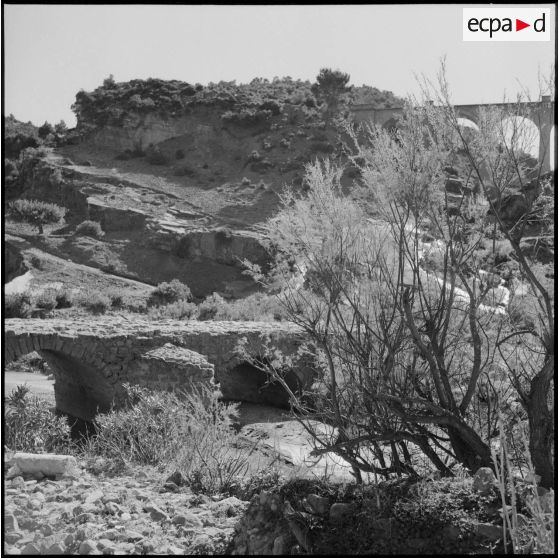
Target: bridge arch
[
  {"x": 524, "y": 133},
  {"x": 81, "y": 388}
]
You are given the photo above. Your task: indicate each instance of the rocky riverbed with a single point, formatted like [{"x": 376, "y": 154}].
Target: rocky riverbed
[{"x": 98, "y": 514}]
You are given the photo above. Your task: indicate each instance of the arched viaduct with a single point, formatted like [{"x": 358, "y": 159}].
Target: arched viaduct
[
  {"x": 91, "y": 360},
  {"x": 540, "y": 113}
]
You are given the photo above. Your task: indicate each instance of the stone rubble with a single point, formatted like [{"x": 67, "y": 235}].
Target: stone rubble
[{"x": 94, "y": 515}]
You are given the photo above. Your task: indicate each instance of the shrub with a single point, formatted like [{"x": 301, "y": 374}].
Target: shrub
[
  {"x": 31, "y": 363},
  {"x": 94, "y": 301},
  {"x": 157, "y": 157},
  {"x": 179, "y": 310},
  {"x": 191, "y": 434},
  {"x": 31, "y": 426},
  {"x": 36, "y": 262},
  {"x": 45, "y": 130},
  {"x": 17, "y": 305},
  {"x": 184, "y": 170},
  {"x": 166, "y": 293},
  {"x": 64, "y": 298},
  {"x": 209, "y": 308},
  {"x": 179, "y": 154},
  {"x": 90, "y": 228},
  {"x": 256, "y": 307},
  {"x": 35, "y": 213},
  {"x": 116, "y": 298},
  {"x": 322, "y": 147},
  {"x": 46, "y": 300}
]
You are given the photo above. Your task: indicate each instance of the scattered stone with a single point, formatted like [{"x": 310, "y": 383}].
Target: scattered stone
[
  {"x": 34, "y": 504},
  {"x": 87, "y": 547},
  {"x": 85, "y": 518},
  {"x": 104, "y": 543},
  {"x": 30, "y": 549},
  {"x": 47, "y": 530},
  {"x": 69, "y": 540},
  {"x": 140, "y": 495},
  {"x": 112, "y": 508},
  {"x": 189, "y": 520},
  {"x": 177, "y": 479},
  {"x": 18, "y": 482},
  {"x": 56, "y": 549},
  {"x": 231, "y": 506},
  {"x": 125, "y": 516},
  {"x": 93, "y": 497},
  {"x": 13, "y": 537},
  {"x": 108, "y": 498},
  {"x": 156, "y": 513},
  {"x": 10, "y": 522},
  {"x": 131, "y": 536},
  {"x": 173, "y": 550},
  {"x": 29, "y": 524}
]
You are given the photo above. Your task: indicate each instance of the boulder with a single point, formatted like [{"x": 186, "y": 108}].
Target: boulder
[{"x": 47, "y": 464}]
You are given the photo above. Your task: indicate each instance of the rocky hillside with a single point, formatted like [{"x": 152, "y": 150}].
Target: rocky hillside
[{"x": 179, "y": 176}]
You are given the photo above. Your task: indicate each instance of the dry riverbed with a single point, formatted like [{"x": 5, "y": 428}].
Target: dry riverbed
[{"x": 97, "y": 514}]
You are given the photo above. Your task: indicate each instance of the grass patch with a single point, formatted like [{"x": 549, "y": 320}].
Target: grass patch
[{"x": 189, "y": 433}]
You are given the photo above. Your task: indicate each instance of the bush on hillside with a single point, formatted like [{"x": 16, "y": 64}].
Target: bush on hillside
[
  {"x": 64, "y": 298},
  {"x": 95, "y": 302},
  {"x": 184, "y": 170},
  {"x": 167, "y": 293},
  {"x": 46, "y": 300},
  {"x": 179, "y": 310},
  {"x": 256, "y": 307},
  {"x": 116, "y": 297},
  {"x": 90, "y": 228},
  {"x": 157, "y": 157},
  {"x": 15, "y": 144},
  {"x": 17, "y": 305},
  {"x": 35, "y": 213}
]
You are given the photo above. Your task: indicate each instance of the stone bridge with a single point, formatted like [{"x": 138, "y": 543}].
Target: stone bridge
[
  {"x": 92, "y": 359},
  {"x": 539, "y": 113}
]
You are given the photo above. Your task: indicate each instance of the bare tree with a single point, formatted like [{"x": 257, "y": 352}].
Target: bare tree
[{"x": 410, "y": 338}]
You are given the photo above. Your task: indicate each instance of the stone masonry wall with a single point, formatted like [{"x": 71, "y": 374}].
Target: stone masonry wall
[{"x": 92, "y": 359}]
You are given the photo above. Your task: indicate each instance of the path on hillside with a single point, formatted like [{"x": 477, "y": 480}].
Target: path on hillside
[{"x": 73, "y": 268}]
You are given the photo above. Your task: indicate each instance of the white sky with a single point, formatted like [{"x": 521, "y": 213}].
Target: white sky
[{"x": 51, "y": 52}]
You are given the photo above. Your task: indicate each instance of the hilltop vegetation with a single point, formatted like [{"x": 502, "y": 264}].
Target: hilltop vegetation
[{"x": 250, "y": 103}]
